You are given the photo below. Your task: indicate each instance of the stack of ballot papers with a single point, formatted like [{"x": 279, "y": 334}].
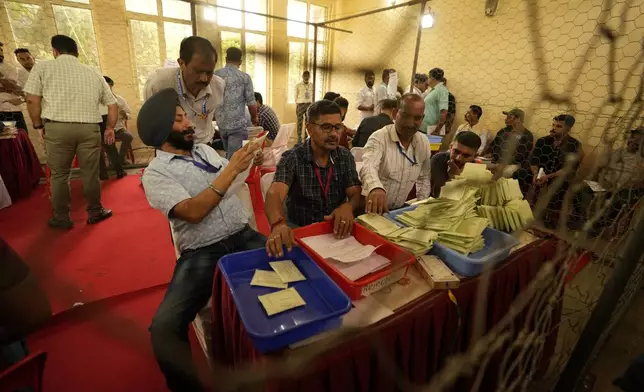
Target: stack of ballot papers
[
  {"x": 416, "y": 241},
  {"x": 284, "y": 272},
  {"x": 467, "y": 237},
  {"x": 351, "y": 258},
  {"x": 514, "y": 215}
]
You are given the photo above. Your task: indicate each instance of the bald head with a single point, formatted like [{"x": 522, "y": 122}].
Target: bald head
[{"x": 410, "y": 116}]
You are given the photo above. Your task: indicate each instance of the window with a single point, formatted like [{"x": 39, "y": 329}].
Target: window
[
  {"x": 79, "y": 1},
  {"x": 230, "y": 18},
  {"x": 176, "y": 9},
  {"x": 142, "y": 6},
  {"x": 174, "y": 34},
  {"x": 145, "y": 38},
  {"x": 301, "y": 44},
  {"x": 77, "y": 23},
  {"x": 27, "y": 21},
  {"x": 229, "y": 40},
  {"x": 255, "y": 60}
]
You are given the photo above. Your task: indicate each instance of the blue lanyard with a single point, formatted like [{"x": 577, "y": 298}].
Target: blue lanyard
[
  {"x": 206, "y": 166},
  {"x": 413, "y": 162},
  {"x": 204, "y": 112}
]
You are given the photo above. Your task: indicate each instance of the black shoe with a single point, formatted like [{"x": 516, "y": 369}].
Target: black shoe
[
  {"x": 60, "y": 224},
  {"x": 121, "y": 174},
  {"x": 101, "y": 216}
]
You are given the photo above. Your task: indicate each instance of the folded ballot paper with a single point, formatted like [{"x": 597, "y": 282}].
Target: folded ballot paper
[
  {"x": 415, "y": 241},
  {"x": 351, "y": 258}
]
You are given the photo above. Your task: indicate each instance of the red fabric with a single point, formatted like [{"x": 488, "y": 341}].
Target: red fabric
[
  {"x": 25, "y": 374},
  {"x": 19, "y": 165},
  {"x": 418, "y": 338}
]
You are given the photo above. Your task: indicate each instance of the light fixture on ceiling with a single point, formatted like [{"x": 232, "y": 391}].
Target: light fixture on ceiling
[
  {"x": 427, "y": 20},
  {"x": 209, "y": 14},
  {"x": 392, "y": 2}
]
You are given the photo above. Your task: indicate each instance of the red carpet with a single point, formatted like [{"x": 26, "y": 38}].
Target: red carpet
[{"x": 130, "y": 251}]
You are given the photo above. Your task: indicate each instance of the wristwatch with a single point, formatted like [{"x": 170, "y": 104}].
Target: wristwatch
[{"x": 39, "y": 126}]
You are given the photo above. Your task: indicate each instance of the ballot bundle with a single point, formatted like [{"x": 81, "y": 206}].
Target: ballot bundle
[{"x": 414, "y": 240}]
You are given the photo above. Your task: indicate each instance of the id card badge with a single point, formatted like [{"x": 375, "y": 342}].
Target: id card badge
[{"x": 307, "y": 94}]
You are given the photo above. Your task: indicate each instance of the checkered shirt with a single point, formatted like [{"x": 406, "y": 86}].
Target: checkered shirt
[{"x": 268, "y": 120}]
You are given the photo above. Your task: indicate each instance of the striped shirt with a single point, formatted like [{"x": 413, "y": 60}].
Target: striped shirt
[
  {"x": 70, "y": 91},
  {"x": 385, "y": 165}
]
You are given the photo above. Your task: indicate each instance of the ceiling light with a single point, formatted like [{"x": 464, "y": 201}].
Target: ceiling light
[{"x": 427, "y": 21}]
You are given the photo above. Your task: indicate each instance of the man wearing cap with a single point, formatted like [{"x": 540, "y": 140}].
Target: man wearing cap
[
  {"x": 200, "y": 92},
  {"x": 512, "y": 145},
  {"x": 189, "y": 183},
  {"x": 436, "y": 104}
]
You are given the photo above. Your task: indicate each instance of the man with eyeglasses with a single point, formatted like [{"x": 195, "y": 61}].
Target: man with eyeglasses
[
  {"x": 395, "y": 158},
  {"x": 448, "y": 164},
  {"x": 316, "y": 178}
]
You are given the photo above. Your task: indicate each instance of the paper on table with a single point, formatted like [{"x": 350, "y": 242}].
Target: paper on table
[
  {"x": 267, "y": 279},
  {"x": 287, "y": 271},
  {"x": 345, "y": 250},
  {"x": 355, "y": 271},
  {"x": 594, "y": 185},
  {"x": 281, "y": 301},
  {"x": 355, "y": 254}
]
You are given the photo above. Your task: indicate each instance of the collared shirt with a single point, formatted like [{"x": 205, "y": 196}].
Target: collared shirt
[
  {"x": 9, "y": 72},
  {"x": 305, "y": 203},
  {"x": 70, "y": 91},
  {"x": 368, "y": 126},
  {"x": 386, "y": 91},
  {"x": 366, "y": 97},
  {"x": 439, "y": 176},
  {"x": 484, "y": 135},
  {"x": 523, "y": 147},
  {"x": 623, "y": 169},
  {"x": 212, "y": 94},
  {"x": 435, "y": 101},
  {"x": 384, "y": 165},
  {"x": 123, "y": 107},
  {"x": 550, "y": 157},
  {"x": 170, "y": 179},
  {"x": 238, "y": 94},
  {"x": 303, "y": 92},
  {"x": 268, "y": 120},
  {"x": 23, "y": 76}
]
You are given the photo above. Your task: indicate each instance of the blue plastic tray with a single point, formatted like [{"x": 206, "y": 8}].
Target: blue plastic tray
[
  {"x": 434, "y": 139},
  {"x": 325, "y": 302}
]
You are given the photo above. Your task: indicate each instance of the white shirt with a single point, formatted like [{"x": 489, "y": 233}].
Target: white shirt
[
  {"x": 386, "y": 91},
  {"x": 11, "y": 73},
  {"x": 303, "y": 92},
  {"x": 366, "y": 97},
  {"x": 123, "y": 107},
  {"x": 385, "y": 166},
  {"x": 484, "y": 135},
  {"x": 23, "y": 75}
]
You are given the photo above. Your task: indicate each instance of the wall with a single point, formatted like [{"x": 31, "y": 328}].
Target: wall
[{"x": 491, "y": 61}]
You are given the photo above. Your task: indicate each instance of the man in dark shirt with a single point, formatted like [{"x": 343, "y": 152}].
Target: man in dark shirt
[
  {"x": 348, "y": 133},
  {"x": 451, "y": 110},
  {"x": 448, "y": 164},
  {"x": 371, "y": 124},
  {"x": 266, "y": 118},
  {"x": 317, "y": 180},
  {"x": 513, "y": 145}
]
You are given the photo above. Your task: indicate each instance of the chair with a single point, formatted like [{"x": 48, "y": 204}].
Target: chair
[
  {"x": 253, "y": 132},
  {"x": 357, "y": 153},
  {"x": 28, "y": 373},
  {"x": 273, "y": 154}
]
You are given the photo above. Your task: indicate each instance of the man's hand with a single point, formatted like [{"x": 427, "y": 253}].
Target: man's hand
[
  {"x": 377, "y": 202},
  {"x": 371, "y": 108},
  {"x": 109, "y": 137},
  {"x": 452, "y": 169},
  {"x": 15, "y": 101},
  {"x": 255, "y": 120},
  {"x": 243, "y": 157},
  {"x": 541, "y": 181},
  {"x": 259, "y": 159},
  {"x": 280, "y": 235},
  {"x": 343, "y": 220}
]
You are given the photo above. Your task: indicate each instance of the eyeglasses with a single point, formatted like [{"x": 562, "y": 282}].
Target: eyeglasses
[{"x": 327, "y": 127}]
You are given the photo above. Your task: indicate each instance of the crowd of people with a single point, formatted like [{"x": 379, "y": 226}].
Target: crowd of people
[{"x": 317, "y": 180}]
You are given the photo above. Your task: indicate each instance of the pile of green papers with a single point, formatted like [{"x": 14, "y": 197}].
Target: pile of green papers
[
  {"x": 416, "y": 241},
  {"x": 467, "y": 237},
  {"x": 378, "y": 224},
  {"x": 500, "y": 192},
  {"x": 514, "y": 215}
]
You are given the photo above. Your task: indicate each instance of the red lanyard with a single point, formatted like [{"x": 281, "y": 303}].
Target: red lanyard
[{"x": 325, "y": 187}]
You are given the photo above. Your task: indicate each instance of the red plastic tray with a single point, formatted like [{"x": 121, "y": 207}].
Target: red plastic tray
[{"x": 400, "y": 260}]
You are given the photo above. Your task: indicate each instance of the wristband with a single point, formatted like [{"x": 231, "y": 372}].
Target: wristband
[
  {"x": 217, "y": 191},
  {"x": 277, "y": 223}
]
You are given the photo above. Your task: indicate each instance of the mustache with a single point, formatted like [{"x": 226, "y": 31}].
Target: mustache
[
  {"x": 188, "y": 131},
  {"x": 331, "y": 140}
]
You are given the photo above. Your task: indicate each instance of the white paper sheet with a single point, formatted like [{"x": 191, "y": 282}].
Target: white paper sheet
[
  {"x": 355, "y": 271},
  {"x": 347, "y": 250}
]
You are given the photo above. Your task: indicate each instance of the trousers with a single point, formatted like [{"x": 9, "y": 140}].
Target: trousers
[
  {"x": 232, "y": 140},
  {"x": 300, "y": 112},
  {"x": 188, "y": 292}
]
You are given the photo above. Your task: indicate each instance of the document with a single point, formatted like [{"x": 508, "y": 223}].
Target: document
[
  {"x": 287, "y": 271},
  {"x": 355, "y": 271},
  {"x": 347, "y": 250},
  {"x": 267, "y": 279},
  {"x": 281, "y": 301},
  {"x": 594, "y": 185}
]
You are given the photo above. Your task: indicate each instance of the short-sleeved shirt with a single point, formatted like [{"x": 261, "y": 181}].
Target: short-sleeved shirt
[
  {"x": 522, "y": 151},
  {"x": 368, "y": 126},
  {"x": 550, "y": 157},
  {"x": 435, "y": 101},
  {"x": 170, "y": 179},
  {"x": 238, "y": 94},
  {"x": 366, "y": 97},
  {"x": 70, "y": 91},
  {"x": 303, "y": 92},
  {"x": 623, "y": 169},
  {"x": 268, "y": 120},
  {"x": 439, "y": 175},
  {"x": 11, "y": 73},
  {"x": 212, "y": 95},
  {"x": 305, "y": 203}
]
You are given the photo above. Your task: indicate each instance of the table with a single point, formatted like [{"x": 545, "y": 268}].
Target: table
[
  {"x": 418, "y": 337},
  {"x": 19, "y": 165}
]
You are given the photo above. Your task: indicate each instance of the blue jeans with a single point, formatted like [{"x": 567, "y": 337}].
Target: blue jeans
[
  {"x": 232, "y": 139},
  {"x": 188, "y": 292}
]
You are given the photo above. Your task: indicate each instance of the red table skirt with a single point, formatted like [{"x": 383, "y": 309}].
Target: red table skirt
[
  {"x": 19, "y": 165},
  {"x": 418, "y": 338}
]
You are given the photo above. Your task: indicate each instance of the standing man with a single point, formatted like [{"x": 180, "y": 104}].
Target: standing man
[
  {"x": 303, "y": 99},
  {"x": 395, "y": 158},
  {"x": 366, "y": 101},
  {"x": 386, "y": 89},
  {"x": 189, "y": 184},
  {"x": 267, "y": 118},
  {"x": 238, "y": 95},
  {"x": 125, "y": 113},
  {"x": 370, "y": 125},
  {"x": 451, "y": 109},
  {"x": 11, "y": 94},
  {"x": 27, "y": 61},
  {"x": 421, "y": 84},
  {"x": 436, "y": 104},
  {"x": 63, "y": 97},
  {"x": 199, "y": 91},
  {"x": 448, "y": 164}
]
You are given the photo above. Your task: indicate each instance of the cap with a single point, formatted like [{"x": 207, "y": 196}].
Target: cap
[
  {"x": 156, "y": 117},
  {"x": 516, "y": 112}
]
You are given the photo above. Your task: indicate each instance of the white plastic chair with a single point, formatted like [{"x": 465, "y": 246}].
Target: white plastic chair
[
  {"x": 265, "y": 183},
  {"x": 357, "y": 153},
  {"x": 273, "y": 154},
  {"x": 254, "y": 131}
]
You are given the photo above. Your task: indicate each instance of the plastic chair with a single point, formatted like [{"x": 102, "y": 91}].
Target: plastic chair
[
  {"x": 28, "y": 373},
  {"x": 254, "y": 132},
  {"x": 357, "y": 153},
  {"x": 273, "y": 154}
]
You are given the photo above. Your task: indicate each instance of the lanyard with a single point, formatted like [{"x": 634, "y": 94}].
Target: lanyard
[
  {"x": 325, "y": 187},
  {"x": 206, "y": 166},
  {"x": 413, "y": 162},
  {"x": 204, "y": 112}
]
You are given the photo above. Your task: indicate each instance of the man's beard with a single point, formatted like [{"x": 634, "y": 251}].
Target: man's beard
[{"x": 178, "y": 140}]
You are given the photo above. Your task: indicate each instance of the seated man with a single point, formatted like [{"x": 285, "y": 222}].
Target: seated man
[
  {"x": 395, "y": 158},
  {"x": 317, "y": 180},
  {"x": 369, "y": 125},
  {"x": 348, "y": 133},
  {"x": 121, "y": 133},
  {"x": 448, "y": 164},
  {"x": 267, "y": 119},
  {"x": 188, "y": 183},
  {"x": 472, "y": 117}
]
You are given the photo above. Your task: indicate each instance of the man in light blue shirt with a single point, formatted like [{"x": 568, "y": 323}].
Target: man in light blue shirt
[
  {"x": 189, "y": 184},
  {"x": 436, "y": 104},
  {"x": 238, "y": 95}
]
